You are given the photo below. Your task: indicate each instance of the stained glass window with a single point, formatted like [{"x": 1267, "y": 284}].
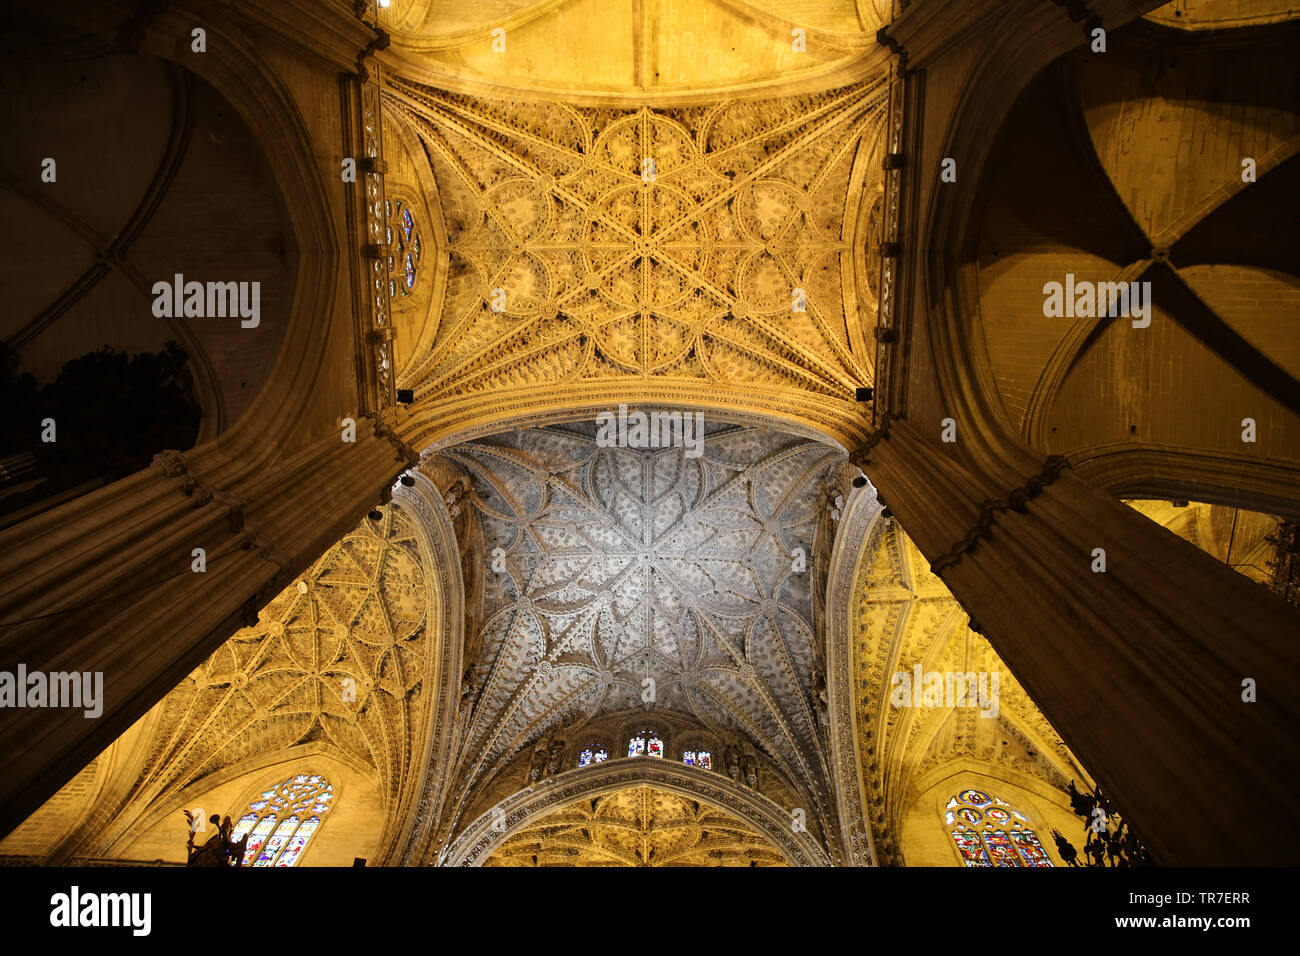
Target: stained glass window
[
  {"x": 403, "y": 233},
  {"x": 645, "y": 744},
  {"x": 282, "y": 820},
  {"x": 989, "y": 831},
  {"x": 698, "y": 758},
  {"x": 969, "y": 846},
  {"x": 591, "y": 755}
]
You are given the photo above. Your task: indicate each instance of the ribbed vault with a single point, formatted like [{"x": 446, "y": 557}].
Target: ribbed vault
[
  {"x": 662, "y": 813},
  {"x": 1211, "y": 242},
  {"x": 638, "y": 826},
  {"x": 707, "y": 254},
  {"x": 338, "y": 663},
  {"x": 634, "y": 50},
  {"x": 605, "y": 579},
  {"x": 905, "y": 619},
  {"x": 139, "y": 144}
]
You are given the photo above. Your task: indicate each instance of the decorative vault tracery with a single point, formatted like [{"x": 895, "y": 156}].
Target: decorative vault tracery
[
  {"x": 639, "y": 826},
  {"x": 338, "y": 661},
  {"x": 692, "y": 247},
  {"x": 524, "y": 809},
  {"x": 634, "y": 295},
  {"x": 619, "y": 570}
]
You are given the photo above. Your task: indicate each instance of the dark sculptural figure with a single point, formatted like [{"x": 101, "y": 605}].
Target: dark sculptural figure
[
  {"x": 1107, "y": 838},
  {"x": 219, "y": 850},
  {"x": 1068, "y": 853}
]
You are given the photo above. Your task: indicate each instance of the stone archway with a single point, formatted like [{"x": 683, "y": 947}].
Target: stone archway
[{"x": 490, "y": 831}]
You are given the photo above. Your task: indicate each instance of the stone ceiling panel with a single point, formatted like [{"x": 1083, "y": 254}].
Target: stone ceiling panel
[
  {"x": 706, "y": 250},
  {"x": 339, "y": 661},
  {"x": 614, "y": 573},
  {"x": 637, "y": 826},
  {"x": 633, "y": 49}
]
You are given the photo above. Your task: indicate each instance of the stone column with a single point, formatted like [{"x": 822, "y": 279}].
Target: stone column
[
  {"x": 105, "y": 584},
  {"x": 1139, "y": 667}
]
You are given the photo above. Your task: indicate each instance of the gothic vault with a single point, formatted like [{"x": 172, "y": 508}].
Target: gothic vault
[{"x": 655, "y": 448}]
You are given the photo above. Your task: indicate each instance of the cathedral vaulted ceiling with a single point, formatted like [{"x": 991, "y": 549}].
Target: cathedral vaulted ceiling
[
  {"x": 337, "y": 662},
  {"x": 633, "y": 49},
  {"x": 706, "y": 250},
  {"x": 1244, "y": 540},
  {"x": 613, "y": 579},
  {"x": 675, "y": 203},
  {"x": 638, "y": 826},
  {"x": 147, "y": 140},
  {"x": 1198, "y": 240}
]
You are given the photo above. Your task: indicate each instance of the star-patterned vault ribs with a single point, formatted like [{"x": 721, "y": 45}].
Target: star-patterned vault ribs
[
  {"x": 638, "y": 826},
  {"x": 615, "y": 565},
  {"x": 338, "y": 659},
  {"x": 647, "y": 243}
]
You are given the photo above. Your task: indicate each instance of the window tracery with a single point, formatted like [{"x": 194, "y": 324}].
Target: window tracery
[
  {"x": 403, "y": 234},
  {"x": 282, "y": 820},
  {"x": 988, "y": 831}
]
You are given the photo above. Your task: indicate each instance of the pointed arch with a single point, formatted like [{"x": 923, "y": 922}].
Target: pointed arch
[{"x": 281, "y": 821}]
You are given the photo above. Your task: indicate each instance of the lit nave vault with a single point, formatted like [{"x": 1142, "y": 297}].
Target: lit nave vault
[
  {"x": 642, "y": 581},
  {"x": 639, "y": 826},
  {"x": 708, "y": 256},
  {"x": 452, "y": 658},
  {"x": 439, "y": 695},
  {"x": 634, "y": 50}
]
